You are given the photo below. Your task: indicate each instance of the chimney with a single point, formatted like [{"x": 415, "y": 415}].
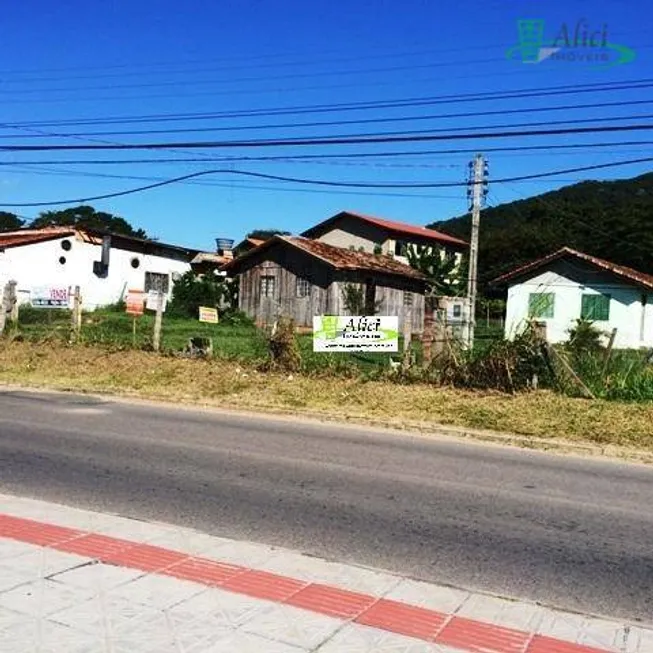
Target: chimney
[{"x": 225, "y": 247}]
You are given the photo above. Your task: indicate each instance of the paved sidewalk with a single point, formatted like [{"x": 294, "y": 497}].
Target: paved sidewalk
[{"x": 74, "y": 581}]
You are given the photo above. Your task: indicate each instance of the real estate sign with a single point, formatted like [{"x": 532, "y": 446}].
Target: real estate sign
[
  {"x": 47, "y": 297},
  {"x": 152, "y": 301},
  {"x": 209, "y": 315},
  {"x": 135, "y": 302},
  {"x": 359, "y": 333}
]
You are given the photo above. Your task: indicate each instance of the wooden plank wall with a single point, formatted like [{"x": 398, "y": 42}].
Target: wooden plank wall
[{"x": 325, "y": 294}]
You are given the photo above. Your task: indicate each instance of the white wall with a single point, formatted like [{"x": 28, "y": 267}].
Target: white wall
[
  {"x": 633, "y": 321},
  {"x": 346, "y": 239},
  {"x": 38, "y": 265}
]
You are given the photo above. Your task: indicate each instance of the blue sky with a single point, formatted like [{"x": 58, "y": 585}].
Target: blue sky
[{"x": 81, "y": 61}]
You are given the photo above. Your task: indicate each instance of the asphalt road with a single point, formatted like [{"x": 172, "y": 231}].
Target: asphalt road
[{"x": 562, "y": 530}]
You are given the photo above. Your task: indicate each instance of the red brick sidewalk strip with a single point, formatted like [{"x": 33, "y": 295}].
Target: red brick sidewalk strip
[{"x": 393, "y": 616}]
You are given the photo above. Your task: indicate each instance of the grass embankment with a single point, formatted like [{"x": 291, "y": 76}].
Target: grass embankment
[{"x": 233, "y": 384}]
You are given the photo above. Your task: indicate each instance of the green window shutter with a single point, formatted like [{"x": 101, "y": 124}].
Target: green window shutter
[
  {"x": 541, "y": 304},
  {"x": 595, "y": 308}
]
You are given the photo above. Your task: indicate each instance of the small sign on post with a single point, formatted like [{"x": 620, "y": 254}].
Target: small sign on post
[
  {"x": 135, "y": 303},
  {"x": 46, "y": 297},
  {"x": 152, "y": 302},
  {"x": 209, "y": 315}
]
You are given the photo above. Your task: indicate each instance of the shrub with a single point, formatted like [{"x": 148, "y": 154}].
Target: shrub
[
  {"x": 283, "y": 348},
  {"x": 584, "y": 339},
  {"x": 192, "y": 291}
]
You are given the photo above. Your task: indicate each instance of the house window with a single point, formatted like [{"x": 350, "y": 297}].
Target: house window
[
  {"x": 303, "y": 287},
  {"x": 457, "y": 310},
  {"x": 267, "y": 286},
  {"x": 157, "y": 281},
  {"x": 595, "y": 308},
  {"x": 401, "y": 248},
  {"x": 408, "y": 298},
  {"x": 541, "y": 304}
]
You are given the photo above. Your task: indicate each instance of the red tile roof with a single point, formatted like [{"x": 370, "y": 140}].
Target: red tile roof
[
  {"x": 30, "y": 236},
  {"x": 621, "y": 271},
  {"x": 397, "y": 228},
  {"x": 336, "y": 257}
]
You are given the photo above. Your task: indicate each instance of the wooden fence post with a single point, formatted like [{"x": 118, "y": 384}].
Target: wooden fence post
[
  {"x": 407, "y": 332},
  {"x": 156, "y": 339},
  {"x": 7, "y": 304}
]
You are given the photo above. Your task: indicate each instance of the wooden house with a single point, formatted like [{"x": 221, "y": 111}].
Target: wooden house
[{"x": 300, "y": 278}]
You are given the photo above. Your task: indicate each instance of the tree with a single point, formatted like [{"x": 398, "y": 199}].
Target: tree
[
  {"x": 192, "y": 291},
  {"x": 609, "y": 219},
  {"x": 264, "y": 234},
  {"x": 87, "y": 216},
  {"x": 10, "y": 221},
  {"x": 446, "y": 276}
]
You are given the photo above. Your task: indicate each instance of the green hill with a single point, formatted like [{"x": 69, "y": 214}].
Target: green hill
[{"x": 612, "y": 220}]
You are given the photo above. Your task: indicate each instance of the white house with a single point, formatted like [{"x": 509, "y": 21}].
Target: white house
[
  {"x": 103, "y": 265},
  {"x": 368, "y": 233},
  {"x": 569, "y": 285}
]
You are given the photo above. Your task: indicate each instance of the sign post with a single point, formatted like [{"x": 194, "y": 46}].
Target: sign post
[
  {"x": 134, "y": 306},
  {"x": 158, "y": 318}
]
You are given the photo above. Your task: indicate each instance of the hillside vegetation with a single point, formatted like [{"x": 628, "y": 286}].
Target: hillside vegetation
[{"x": 612, "y": 220}]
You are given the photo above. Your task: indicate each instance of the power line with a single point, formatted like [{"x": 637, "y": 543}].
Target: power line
[
  {"x": 361, "y": 121},
  {"x": 332, "y": 140},
  {"x": 239, "y": 80},
  {"x": 243, "y": 185},
  {"x": 322, "y": 182},
  {"x": 346, "y": 156},
  {"x": 354, "y": 106}
]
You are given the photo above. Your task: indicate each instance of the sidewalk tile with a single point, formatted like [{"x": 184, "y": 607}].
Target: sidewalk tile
[
  {"x": 403, "y": 619},
  {"x": 510, "y": 614},
  {"x": 293, "y": 626},
  {"x": 43, "y": 636},
  {"x": 315, "y": 570},
  {"x": 425, "y": 595},
  {"x": 639, "y": 640},
  {"x": 247, "y": 554},
  {"x": 219, "y": 606},
  {"x": 541, "y": 644},
  {"x": 597, "y": 633},
  {"x": 202, "y": 570},
  {"x": 97, "y": 576},
  {"x": 331, "y": 601},
  {"x": 14, "y": 548},
  {"x": 240, "y": 642},
  {"x": 477, "y": 637},
  {"x": 42, "y": 597},
  {"x": 157, "y": 592},
  {"x": 105, "y": 614},
  {"x": 354, "y": 638},
  {"x": 263, "y": 585}
]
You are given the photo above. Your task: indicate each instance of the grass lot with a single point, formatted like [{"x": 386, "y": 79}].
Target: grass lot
[
  {"x": 242, "y": 342},
  {"x": 232, "y": 384}
]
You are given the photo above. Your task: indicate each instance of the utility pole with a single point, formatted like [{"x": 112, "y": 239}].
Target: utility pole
[{"x": 476, "y": 193}]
